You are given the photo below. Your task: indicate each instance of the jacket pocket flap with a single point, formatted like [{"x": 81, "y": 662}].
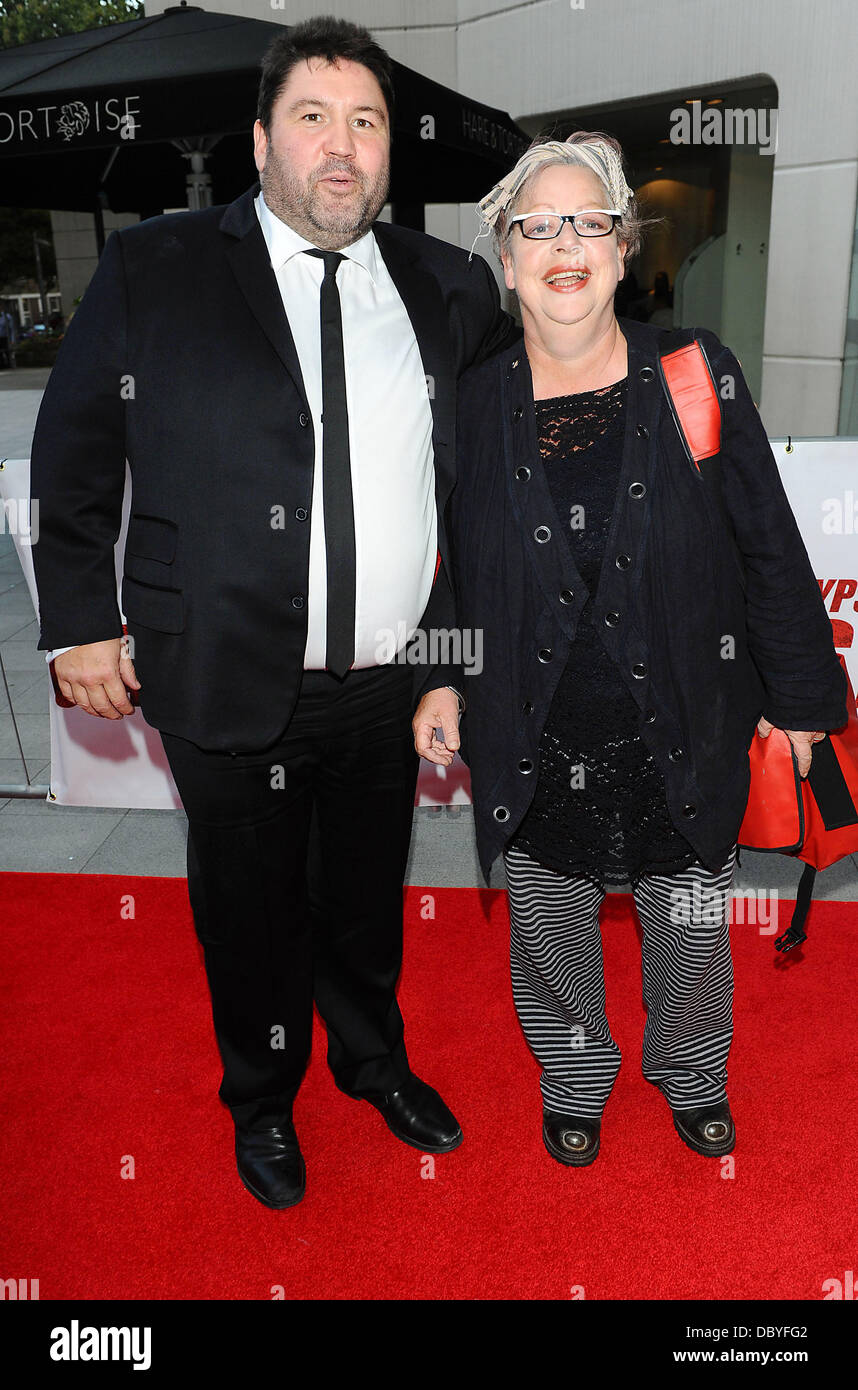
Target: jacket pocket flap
[{"x": 151, "y": 537}]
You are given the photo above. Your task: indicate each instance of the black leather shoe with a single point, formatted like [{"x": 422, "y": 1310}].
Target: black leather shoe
[
  {"x": 571, "y": 1139},
  {"x": 707, "y": 1129},
  {"x": 417, "y": 1115},
  {"x": 270, "y": 1164}
]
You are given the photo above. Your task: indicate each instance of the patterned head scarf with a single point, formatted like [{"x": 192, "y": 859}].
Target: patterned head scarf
[{"x": 594, "y": 154}]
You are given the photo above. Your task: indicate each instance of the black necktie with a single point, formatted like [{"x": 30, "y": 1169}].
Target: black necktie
[{"x": 336, "y": 477}]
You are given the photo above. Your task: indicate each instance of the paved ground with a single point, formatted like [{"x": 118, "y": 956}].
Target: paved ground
[{"x": 41, "y": 837}]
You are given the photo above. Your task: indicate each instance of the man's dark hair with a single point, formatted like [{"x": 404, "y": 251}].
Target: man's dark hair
[{"x": 323, "y": 37}]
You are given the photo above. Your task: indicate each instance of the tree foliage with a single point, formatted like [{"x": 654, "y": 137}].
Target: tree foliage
[{"x": 28, "y": 21}]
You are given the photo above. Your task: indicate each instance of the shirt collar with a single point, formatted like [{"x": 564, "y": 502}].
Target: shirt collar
[{"x": 284, "y": 242}]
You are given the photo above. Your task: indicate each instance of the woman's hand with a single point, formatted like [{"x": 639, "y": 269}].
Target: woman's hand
[
  {"x": 802, "y": 742},
  {"x": 438, "y": 708}
]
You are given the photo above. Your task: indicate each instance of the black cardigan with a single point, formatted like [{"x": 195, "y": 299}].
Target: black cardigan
[{"x": 702, "y": 656}]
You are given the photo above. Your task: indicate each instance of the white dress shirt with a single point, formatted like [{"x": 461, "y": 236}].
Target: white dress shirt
[{"x": 390, "y": 442}]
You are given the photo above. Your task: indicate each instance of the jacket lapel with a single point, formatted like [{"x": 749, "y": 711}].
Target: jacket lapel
[
  {"x": 248, "y": 255},
  {"x": 424, "y": 304}
]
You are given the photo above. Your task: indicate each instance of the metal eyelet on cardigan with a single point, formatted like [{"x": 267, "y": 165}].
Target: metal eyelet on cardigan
[
  {"x": 501, "y": 813},
  {"x": 641, "y": 431},
  {"x": 646, "y": 374},
  {"x": 612, "y": 618},
  {"x": 545, "y": 654},
  {"x": 638, "y": 670},
  {"x": 637, "y": 490},
  {"x": 566, "y": 595},
  {"x": 522, "y": 473},
  {"x": 622, "y": 562},
  {"x": 525, "y": 765},
  {"x": 542, "y": 534}
]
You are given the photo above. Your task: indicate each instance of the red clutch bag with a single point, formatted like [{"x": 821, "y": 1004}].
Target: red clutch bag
[{"x": 815, "y": 820}]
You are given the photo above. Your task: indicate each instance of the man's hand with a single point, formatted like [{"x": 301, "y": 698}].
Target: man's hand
[
  {"x": 438, "y": 708},
  {"x": 94, "y": 677},
  {"x": 802, "y": 742}
]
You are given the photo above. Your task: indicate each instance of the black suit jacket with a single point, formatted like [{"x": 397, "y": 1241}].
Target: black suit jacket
[
  {"x": 180, "y": 358},
  {"x": 669, "y": 593}
]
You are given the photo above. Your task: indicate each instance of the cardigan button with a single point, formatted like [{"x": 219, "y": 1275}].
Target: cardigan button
[
  {"x": 525, "y": 765},
  {"x": 527, "y": 707},
  {"x": 623, "y": 561},
  {"x": 517, "y": 413},
  {"x": 637, "y": 490},
  {"x": 545, "y": 653},
  {"x": 566, "y": 595},
  {"x": 298, "y": 601},
  {"x": 638, "y": 670},
  {"x": 522, "y": 473},
  {"x": 300, "y": 513},
  {"x": 689, "y": 811},
  {"x": 646, "y": 373},
  {"x": 501, "y": 813},
  {"x": 303, "y": 420},
  {"x": 641, "y": 431},
  {"x": 649, "y": 716},
  {"x": 542, "y": 534},
  {"x": 612, "y": 619},
  {"x": 675, "y": 754}
]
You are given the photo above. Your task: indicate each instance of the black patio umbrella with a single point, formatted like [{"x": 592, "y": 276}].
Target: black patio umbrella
[{"x": 122, "y": 116}]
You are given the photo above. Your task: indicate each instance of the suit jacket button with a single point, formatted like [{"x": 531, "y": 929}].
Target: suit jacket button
[
  {"x": 566, "y": 595},
  {"x": 639, "y": 670},
  {"x": 612, "y": 619},
  {"x": 303, "y": 420},
  {"x": 522, "y": 473},
  {"x": 675, "y": 754},
  {"x": 637, "y": 490},
  {"x": 689, "y": 811},
  {"x": 300, "y": 513},
  {"x": 545, "y": 653},
  {"x": 298, "y": 601},
  {"x": 646, "y": 373},
  {"x": 501, "y": 813},
  {"x": 525, "y": 765}
]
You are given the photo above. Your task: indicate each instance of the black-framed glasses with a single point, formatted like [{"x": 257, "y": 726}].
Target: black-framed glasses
[{"x": 543, "y": 226}]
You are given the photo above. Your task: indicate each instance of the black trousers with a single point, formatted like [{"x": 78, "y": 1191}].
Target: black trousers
[{"x": 296, "y": 861}]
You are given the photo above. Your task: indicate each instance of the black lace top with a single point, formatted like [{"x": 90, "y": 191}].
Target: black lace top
[{"x": 599, "y": 807}]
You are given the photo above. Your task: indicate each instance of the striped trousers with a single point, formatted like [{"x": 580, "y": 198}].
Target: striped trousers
[{"x": 558, "y": 983}]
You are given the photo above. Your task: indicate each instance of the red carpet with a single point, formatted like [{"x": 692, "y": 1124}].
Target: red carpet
[{"x": 110, "y": 1053}]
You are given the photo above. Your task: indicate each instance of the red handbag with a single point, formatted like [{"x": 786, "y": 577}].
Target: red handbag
[{"x": 815, "y": 819}]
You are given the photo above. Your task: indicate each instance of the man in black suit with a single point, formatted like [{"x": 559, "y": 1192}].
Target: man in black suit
[{"x": 270, "y": 564}]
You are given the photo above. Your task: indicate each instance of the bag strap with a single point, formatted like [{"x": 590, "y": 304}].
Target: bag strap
[
  {"x": 795, "y": 933},
  {"x": 689, "y": 387},
  {"x": 692, "y": 395}
]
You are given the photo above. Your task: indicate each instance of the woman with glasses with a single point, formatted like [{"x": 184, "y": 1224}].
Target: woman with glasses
[{"x": 627, "y": 657}]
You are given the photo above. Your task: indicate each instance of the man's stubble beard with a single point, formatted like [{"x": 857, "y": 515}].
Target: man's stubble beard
[{"x": 300, "y": 204}]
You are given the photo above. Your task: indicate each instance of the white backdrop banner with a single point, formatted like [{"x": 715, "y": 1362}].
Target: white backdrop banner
[{"x": 99, "y": 762}]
